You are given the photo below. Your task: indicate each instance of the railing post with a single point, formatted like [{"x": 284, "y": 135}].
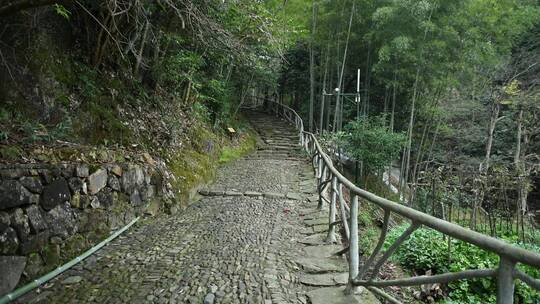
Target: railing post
[
  {"x": 318, "y": 169},
  {"x": 344, "y": 219},
  {"x": 505, "y": 281},
  {"x": 331, "y": 236},
  {"x": 353, "y": 246},
  {"x": 322, "y": 179}
]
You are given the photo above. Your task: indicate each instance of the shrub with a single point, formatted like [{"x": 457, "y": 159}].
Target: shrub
[
  {"x": 370, "y": 140},
  {"x": 427, "y": 249}
]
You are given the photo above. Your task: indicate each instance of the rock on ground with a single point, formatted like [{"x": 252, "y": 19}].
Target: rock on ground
[{"x": 11, "y": 268}]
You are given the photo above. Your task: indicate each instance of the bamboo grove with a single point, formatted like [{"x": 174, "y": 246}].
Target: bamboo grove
[{"x": 455, "y": 81}]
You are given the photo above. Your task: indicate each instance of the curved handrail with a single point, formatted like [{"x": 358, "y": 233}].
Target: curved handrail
[
  {"x": 476, "y": 238},
  {"x": 325, "y": 172}
]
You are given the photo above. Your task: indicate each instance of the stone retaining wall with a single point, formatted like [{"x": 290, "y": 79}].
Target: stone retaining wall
[{"x": 50, "y": 213}]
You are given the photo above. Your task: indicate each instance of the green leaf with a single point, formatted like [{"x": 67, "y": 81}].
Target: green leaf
[{"x": 62, "y": 11}]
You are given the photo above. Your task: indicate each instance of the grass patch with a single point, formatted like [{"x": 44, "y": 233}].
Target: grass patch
[
  {"x": 197, "y": 163},
  {"x": 190, "y": 169},
  {"x": 247, "y": 144},
  {"x": 11, "y": 153}
]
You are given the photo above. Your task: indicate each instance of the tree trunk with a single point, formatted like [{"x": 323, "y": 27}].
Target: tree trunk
[
  {"x": 419, "y": 156},
  {"x": 141, "y": 49},
  {"x": 312, "y": 67},
  {"x": 323, "y": 97},
  {"x": 410, "y": 131},
  {"x": 484, "y": 167},
  {"x": 340, "y": 82},
  {"x": 432, "y": 145},
  {"x": 368, "y": 79},
  {"x": 393, "y": 103},
  {"x": 385, "y": 107},
  {"x": 188, "y": 92},
  {"x": 495, "y": 108},
  {"x": 96, "y": 60},
  {"x": 520, "y": 170},
  {"x": 517, "y": 155}
]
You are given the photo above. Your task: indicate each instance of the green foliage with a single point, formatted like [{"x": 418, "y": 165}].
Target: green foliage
[
  {"x": 424, "y": 250},
  {"x": 88, "y": 82},
  {"x": 247, "y": 145},
  {"x": 37, "y": 132},
  {"x": 201, "y": 112},
  {"x": 102, "y": 125},
  {"x": 11, "y": 152},
  {"x": 174, "y": 70},
  {"x": 427, "y": 249},
  {"x": 374, "y": 184},
  {"x": 370, "y": 140},
  {"x": 61, "y": 10},
  {"x": 4, "y": 120},
  {"x": 4, "y": 135},
  {"x": 217, "y": 96},
  {"x": 368, "y": 239}
]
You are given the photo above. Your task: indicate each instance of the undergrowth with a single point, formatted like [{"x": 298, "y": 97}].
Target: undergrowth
[{"x": 427, "y": 249}]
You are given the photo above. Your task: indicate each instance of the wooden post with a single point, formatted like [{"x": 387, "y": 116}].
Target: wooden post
[
  {"x": 353, "y": 246},
  {"x": 331, "y": 236},
  {"x": 505, "y": 281}
]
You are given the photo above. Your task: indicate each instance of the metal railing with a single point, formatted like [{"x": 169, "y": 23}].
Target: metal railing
[{"x": 329, "y": 179}]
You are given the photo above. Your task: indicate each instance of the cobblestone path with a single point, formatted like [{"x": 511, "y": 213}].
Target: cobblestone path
[{"x": 238, "y": 244}]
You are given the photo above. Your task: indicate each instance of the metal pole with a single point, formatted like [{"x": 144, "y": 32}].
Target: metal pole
[
  {"x": 357, "y": 100},
  {"x": 505, "y": 281},
  {"x": 336, "y": 118},
  {"x": 321, "y": 114},
  {"x": 47, "y": 277},
  {"x": 353, "y": 246}
]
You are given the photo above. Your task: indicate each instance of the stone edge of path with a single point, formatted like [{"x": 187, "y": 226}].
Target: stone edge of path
[{"x": 290, "y": 195}]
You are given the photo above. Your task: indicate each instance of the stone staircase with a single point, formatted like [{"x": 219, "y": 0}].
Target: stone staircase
[
  {"x": 323, "y": 273},
  {"x": 277, "y": 139},
  {"x": 322, "y": 270}
]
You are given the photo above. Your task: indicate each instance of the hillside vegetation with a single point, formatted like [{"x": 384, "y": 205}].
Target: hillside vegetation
[
  {"x": 130, "y": 74},
  {"x": 106, "y": 81}
]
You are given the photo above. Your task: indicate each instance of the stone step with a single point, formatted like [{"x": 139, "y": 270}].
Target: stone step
[
  {"x": 322, "y": 265},
  {"x": 267, "y": 153},
  {"x": 281, "y": 148},
  {"x": 322, "y": 251},
  {"x": 314, "y": 239},
  {"x": 316, "y": 221},
  {"x": 289, "y": 144},
  {"x": 276, "y": 158},
  {"x": 336, "y": 295},
  {"x": 271, "y": 156},
  {"x": 324, "y": 279}
]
